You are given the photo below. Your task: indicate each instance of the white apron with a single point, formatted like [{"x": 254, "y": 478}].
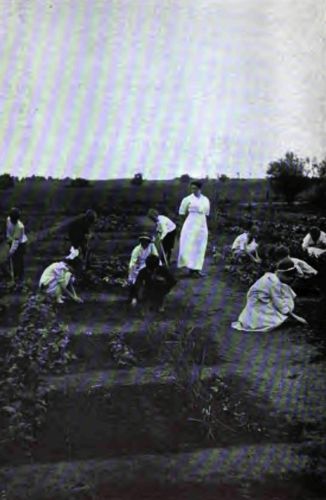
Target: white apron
[{"x": 194, "y": 233}]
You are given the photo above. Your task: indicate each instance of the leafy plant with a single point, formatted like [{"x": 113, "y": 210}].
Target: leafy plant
[
  {"x": 39, "y": 346},
  {"x": 121, "y": 352}
]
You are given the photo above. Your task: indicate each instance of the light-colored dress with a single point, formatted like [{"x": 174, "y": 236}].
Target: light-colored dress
[
  {"x": 269, "y": 301},
  {"x": 138, "y": 260},
  {"x": 309, "y": 245},
  {"x": 55, "y": 278},
  {"x": 194, "y": 233}
]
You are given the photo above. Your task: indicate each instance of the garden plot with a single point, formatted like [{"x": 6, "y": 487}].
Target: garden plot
[
  {"x": 90, "y": 418},
  {"x": 255, "y": 396}
]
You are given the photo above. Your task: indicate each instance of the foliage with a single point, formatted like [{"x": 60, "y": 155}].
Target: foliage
[
  {"x": 185, "y": 179},
  {"x": 210, "y": 401},
  {"x": 112, "y": 271},
  {"x": 122, "y": 354},
  {"x": 38, "y": 346},
  {"x": 7, "y": 181},
  {"x": 223, "y": 178},
  {"x": 289, "y": 176},
  {"x": 317, "y": 195},
  {"x": 137, "y": 180},
  {"x": 79, "y": 182},
  {"x": 113, "y": 223}
]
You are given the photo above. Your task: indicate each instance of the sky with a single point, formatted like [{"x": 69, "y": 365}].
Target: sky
[{"x": 107, "y": 88}]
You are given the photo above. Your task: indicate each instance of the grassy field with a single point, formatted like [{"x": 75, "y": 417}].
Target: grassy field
[{"x": 52, "y": 196}]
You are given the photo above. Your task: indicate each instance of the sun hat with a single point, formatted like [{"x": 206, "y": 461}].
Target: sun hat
[{"x": 144, "y": 236}]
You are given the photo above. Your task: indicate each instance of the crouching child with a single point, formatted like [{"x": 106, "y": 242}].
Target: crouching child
[
  {"x": 58, "y": 280},
  {"x": 152, "y": 285}
]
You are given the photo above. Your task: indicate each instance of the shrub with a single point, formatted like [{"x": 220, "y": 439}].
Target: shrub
[
  {"x": 185, "y": 179},
  {"x": 38, "y": 346},
  {"x": 288, "y": 176},
  {"x": 79, "y": 183},
  {"x": 6, "y": 181},
  {"x": 137, "y": 179}
]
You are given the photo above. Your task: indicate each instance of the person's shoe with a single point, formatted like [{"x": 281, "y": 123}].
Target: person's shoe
[{"x": 60, "y": 300}]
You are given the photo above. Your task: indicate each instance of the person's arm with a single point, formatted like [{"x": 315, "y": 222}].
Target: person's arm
[
  {"x": 8, "y": 233},
  {"x": 71, "y": 292},
  {"x": 284, "y": 305},
  {"x": 133, "y": 263},
  {"x": 306, "y": 242},
  {"x": 19, "y": 231},
  {"x": 183, "y": 211},
  {"x": 207, "y": 208},
  {"x": 322, "y": 241}
]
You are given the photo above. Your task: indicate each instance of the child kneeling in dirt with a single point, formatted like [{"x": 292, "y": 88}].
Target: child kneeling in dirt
[
  {"x": 245, "y": 247},
  {"x": 153, "y": 283},
  {"x": 307, "y": 276},
  {"x": 58, "y": 280}
]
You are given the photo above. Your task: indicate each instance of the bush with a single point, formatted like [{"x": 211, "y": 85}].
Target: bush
[
  {"x": 288, "y": 176},
  {"x": 137, "y": 179},
  {"x": 185, "y": 179},
  {"x": 7, "y": 181},
  {"x": 79, "y": 183},
  {"x": 39, "y": 346},
  {"x": 316, "y": 196}
]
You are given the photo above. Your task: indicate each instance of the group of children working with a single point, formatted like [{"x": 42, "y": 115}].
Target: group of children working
[{"x": 270, "y": 301}]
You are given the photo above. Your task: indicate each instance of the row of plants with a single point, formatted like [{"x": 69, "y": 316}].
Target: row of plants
[
  {"x": 271, "y": 235},
  {"x": 111, "y": 271},
  {"x": 112, "y": 223},
  {"x": 39, "y": 346},
  {"x": 210, "y": 401}
]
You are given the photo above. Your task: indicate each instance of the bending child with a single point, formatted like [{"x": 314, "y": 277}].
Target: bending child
[
  {"x": 58, "y": 280},
  {"x": 270, "y": 301},
  {"x": 153, "y": 283}
]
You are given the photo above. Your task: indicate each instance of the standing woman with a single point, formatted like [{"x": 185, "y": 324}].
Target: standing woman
[
  {"x": 193, "y": 238},
  {"x": 16, "y": 238}
]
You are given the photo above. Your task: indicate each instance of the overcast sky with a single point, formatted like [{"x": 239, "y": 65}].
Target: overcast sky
[{"x": 107, "y": 88}]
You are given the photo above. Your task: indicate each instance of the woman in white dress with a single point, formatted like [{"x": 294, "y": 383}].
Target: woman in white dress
[
  {"x": 270, "y": 301},
  {"x": 194, "y": 234}
]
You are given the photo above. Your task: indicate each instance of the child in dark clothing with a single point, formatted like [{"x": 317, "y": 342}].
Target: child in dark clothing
[
  {"x": 153, "y": 283},
  {"x": 80, "y": 233}
]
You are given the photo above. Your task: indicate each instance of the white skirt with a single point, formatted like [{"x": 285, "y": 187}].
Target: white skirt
[{"x": 193, "y": 242}]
